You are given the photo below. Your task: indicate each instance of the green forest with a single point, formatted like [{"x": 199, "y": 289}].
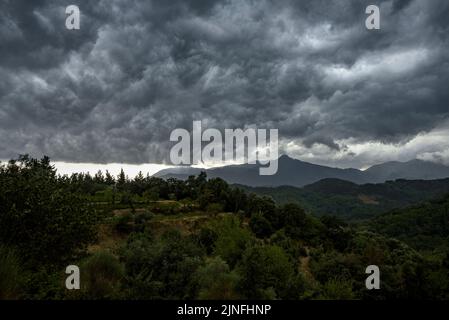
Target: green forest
[{"x": 150, "y": 238}]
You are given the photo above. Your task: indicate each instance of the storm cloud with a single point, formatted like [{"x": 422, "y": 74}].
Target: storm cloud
[{"x": 114, "y": 90}]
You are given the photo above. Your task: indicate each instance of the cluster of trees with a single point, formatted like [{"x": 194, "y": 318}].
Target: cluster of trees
[
  {"x": 248, "y": 247},
  {"x": 43, "y": 225}
]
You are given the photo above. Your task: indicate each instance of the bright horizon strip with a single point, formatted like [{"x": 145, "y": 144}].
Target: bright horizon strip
[{"x": 131, "y": 170}]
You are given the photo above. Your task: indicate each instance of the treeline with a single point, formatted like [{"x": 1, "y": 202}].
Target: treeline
[
  {"x": 243, "y": 247},
  {"x": 211, "y": 194}
]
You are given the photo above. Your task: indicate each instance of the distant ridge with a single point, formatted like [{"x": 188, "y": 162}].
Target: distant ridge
[
  {"x": 293, "y": 172},
  {"x": 410, "y": 170}
]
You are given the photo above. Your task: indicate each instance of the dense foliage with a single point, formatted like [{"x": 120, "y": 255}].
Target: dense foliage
[
  {"x": 353, "y": 202},
  {"x": 424, "y": 226},
  {"x": 150, "y": 238},
  {"x": 40, "y": 216}
]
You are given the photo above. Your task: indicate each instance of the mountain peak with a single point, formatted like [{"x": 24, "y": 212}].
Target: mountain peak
[{"x": 286, "y": 157}]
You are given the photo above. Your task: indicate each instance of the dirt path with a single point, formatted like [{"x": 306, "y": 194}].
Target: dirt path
[{"x": 304, "y": 265}]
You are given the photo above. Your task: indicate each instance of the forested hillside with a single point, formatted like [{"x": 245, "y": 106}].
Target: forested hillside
[
  {"x": 424, "y": 226},
  {"x": 149, "y": 238},
  {"x": 353, "y": 202}
]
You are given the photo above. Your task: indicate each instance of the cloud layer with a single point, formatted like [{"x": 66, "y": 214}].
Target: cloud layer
[{"x": 115, "y": 89}]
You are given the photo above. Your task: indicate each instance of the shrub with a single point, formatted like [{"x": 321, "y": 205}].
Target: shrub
[
  {"x": 294, "y": 220},
  {"x": 141, "y": 219},
  {"x": 206, "y": 238},
  {"x": 232, "y": 240},
  {"x": 260, "y": 226},
  {"x": 216, "y": 281},
  {"x": 124, "y": 223},
  {"x": 161, "y": 268},
  {"x": 10, "y": 274},
  {"x": 214, "y": 208},
  {"x": 265, "y": 269},
  {"x": 101, "y": 274},
  {"x": 337, "y": 289}
]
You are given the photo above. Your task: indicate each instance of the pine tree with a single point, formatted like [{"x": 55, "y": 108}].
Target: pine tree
[
  {"x": 99, "y": 178},
  {"x": 121, "y": 180},
  {"x": 109, "y": 180}
]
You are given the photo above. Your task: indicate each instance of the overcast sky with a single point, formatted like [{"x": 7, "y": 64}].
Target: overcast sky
[{"x": 113, "y": 91}]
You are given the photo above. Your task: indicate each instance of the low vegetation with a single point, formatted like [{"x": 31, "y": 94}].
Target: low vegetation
[{"x": 149, "y": 238}]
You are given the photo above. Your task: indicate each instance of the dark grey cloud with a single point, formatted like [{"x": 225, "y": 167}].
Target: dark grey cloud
[{"x": 114, "y": 90}]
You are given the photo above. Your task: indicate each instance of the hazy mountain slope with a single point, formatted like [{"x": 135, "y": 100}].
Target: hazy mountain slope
[
  {"x": 298, "y": 173},
  {"x": 411, "y": 170},
  {"x": 290, "y": 172},
  {"x": 181, "y": 173}
]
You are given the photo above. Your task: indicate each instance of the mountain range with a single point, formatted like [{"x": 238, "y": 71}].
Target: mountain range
[{"x": 297, "y": 173}]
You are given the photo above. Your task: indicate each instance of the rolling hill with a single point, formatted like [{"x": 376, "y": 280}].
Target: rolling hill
[
  {"x": 354, "y": 202},
  {"x": 423, "y": 226}
]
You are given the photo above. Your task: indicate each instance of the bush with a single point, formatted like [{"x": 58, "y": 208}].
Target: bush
[
  {"x": 289, "y": 245},
  {"x": 265, "y": 269},
  {"x": 206, "y": 238},
  {"x": 216, "y": 281},
  {"x": 260, "y": 226},
  {"x": 124, "y": 223},
  {"x": 167, "y": 208},
  {"x": 126, "y": 198},
  {"x": 337, "y": 289},
  {"x": 10, "y": 274},
  {"x": 161, "y": 268},
  {"x": 101, "y": 274},
  {"x": 44, "y": 284},
  {"x": 141, "y": 219},
  {"x": 232, "y": 240},
  {"x": 294, "y": 219},
  {"x": 214, "y": 208}
]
